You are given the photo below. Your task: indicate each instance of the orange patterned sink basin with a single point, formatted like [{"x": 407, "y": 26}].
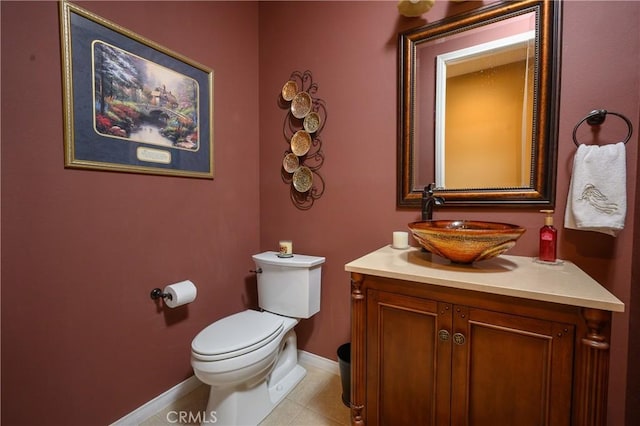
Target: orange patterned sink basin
[{"x": 465, "y": 241}]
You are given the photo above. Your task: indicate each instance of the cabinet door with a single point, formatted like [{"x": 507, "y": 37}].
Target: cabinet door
[
  {"x": 510, "y": 370},
  {"x": 406, "y": 382}
]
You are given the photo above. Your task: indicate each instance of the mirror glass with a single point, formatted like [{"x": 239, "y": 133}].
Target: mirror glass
[{"x": 478, "y": 106}]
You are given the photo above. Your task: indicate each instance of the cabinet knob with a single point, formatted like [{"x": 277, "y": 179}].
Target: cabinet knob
[
  {"x": 458, "y": 339},
  {"x": 443, "y": 335}
]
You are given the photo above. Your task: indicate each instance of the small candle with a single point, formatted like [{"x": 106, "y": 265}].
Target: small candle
[
  {"x": 400, "y": 240},
  {"x": 286, "y": 247}
]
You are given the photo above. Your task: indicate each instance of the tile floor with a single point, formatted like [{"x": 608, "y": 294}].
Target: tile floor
[{"x": 316, "y": 401}]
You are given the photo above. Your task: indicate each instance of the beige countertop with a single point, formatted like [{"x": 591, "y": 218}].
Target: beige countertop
[{"x": 515, "y": 276}]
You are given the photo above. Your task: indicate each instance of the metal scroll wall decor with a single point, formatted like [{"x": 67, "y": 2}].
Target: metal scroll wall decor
[{"x": 306, "y": 117}]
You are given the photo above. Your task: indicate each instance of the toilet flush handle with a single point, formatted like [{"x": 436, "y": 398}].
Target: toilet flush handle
[{"x": 256, "y": 271}]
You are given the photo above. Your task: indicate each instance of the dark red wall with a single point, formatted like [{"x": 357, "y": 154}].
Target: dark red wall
[
  {"x": 82, "y": 341},
  {"x": 350, "y": 47}
]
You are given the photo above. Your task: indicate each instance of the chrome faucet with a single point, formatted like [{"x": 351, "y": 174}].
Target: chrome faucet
[{"x": 429, "y": 201}]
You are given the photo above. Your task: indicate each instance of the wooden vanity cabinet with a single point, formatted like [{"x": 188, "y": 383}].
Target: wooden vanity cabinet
[{"x": 431, "y": 355}]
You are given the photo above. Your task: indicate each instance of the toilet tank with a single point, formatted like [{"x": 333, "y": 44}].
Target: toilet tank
[{"x": 289, "y": 286}]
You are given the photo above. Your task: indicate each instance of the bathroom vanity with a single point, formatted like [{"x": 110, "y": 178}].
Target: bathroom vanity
[{"x": 501, "y": 342}]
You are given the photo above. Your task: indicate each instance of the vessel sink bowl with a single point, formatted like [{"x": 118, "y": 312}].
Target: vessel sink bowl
[{"x": 465, "y": 241}]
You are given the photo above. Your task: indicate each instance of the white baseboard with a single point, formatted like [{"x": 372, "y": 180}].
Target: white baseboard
[
  {"x": 158, "y": 403},
  {"x": 309, "y": 359},
  {"x": 171, "y": 396}
]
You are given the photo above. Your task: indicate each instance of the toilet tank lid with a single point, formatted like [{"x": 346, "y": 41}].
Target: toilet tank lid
[{"x": 297, "y": 260}]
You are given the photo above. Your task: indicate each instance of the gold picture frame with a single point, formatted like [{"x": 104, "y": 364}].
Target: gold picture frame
[{"x": 131, "y": 105}]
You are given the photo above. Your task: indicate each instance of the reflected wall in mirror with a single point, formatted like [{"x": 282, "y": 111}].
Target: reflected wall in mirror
[
  {"x": 495, "y": 76},
  {"x": 478, "y": 112}
]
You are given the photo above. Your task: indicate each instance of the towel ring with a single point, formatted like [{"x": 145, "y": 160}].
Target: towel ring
[{"x": 596, "y": 118}]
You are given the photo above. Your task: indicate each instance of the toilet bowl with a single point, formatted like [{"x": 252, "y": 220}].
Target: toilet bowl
[
  {"x": 250, "y": 358},
  {"x": 237, "y": 373}
]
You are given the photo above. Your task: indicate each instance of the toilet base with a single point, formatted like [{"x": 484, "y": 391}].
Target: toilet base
[
  {"x": 249, "y": 405},
  {"x": 281, "y": 389}
]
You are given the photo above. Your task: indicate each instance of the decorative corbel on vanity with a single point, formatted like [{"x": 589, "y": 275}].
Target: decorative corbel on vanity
[
  {"x": 506, "y": 339},
  {"x": 358, "y": 322},
  {"x": 593, "y": 370}
]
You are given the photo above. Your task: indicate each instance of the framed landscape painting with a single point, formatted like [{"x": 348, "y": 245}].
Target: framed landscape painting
[{"x": 131, "y": 105}]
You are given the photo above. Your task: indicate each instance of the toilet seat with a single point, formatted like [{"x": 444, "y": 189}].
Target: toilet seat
[{"x": 236, "y": 335}]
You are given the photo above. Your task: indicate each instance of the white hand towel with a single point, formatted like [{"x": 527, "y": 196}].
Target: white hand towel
[{"x": 597, "y": 199}]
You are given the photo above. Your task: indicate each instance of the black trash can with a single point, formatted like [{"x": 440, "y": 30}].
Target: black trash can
[{"x": 344, "y": 361}]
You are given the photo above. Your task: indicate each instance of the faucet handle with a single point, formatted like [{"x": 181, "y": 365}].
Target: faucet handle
[{"x": 428, "y": 190}]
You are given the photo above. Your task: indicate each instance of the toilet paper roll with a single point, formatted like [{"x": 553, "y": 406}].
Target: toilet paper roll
[{"x": 181, "y": 293}]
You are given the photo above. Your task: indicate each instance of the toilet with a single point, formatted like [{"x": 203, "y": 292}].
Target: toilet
[{"x": 250, "y": 359}]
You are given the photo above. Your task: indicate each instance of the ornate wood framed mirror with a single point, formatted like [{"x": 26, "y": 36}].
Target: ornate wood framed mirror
[{"x": 478, "y": 111}]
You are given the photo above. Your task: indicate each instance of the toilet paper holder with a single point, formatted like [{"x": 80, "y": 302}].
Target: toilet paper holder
[{"x": 157, "y": 293}]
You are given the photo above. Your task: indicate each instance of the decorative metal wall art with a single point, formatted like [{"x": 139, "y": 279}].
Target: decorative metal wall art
[{"x": 305, "y": 119}]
